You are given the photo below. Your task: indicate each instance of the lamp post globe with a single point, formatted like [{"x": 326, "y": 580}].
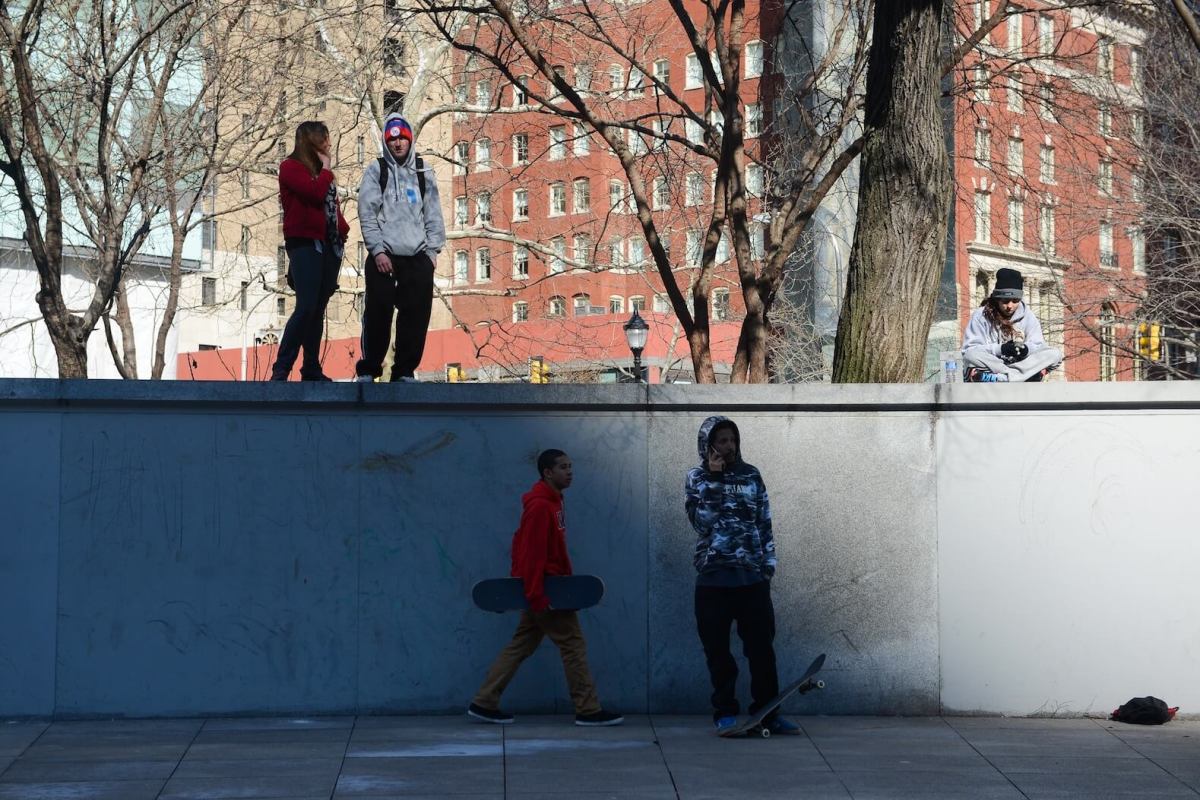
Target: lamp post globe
[{"x": 636, "y": 331}]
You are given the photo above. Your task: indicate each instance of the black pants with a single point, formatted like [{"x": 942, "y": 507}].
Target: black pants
[
  {"x": 409, "y": 290},
  {"x": 717, "y": 608},
  {"x": 314, "y": 277}
]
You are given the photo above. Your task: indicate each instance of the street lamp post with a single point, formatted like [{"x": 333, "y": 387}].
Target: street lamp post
[{"x": 635, "y": 334}]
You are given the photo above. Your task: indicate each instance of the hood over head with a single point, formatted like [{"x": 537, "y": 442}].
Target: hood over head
[{"x": 704, "y": 438}]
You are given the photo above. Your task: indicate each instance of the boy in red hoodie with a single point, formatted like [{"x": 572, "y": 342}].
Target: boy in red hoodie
[{"x": 539, "y": 549}]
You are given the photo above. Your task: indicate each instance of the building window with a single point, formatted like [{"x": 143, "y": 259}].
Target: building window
[
  {"x": 637, "y": 145},
  {"x": 281, "y": 306},
  {"x": 982, "y": 77},
  {"x": 1014, "y": 33},
  {"x": 637, "y": 253},
  {"x": 1105, "y": 178},
  {"x": 461, "y": 267},
  {"x": 581, "y": 305},
  {"x": 983, "y": 146},
  {"x": 616, "y": 253},
  {"x": 661, "y": 195},
  {"x": 1016, "y": 101},
  {"x": 460, "y": 211},
  {"x": 1016, "y": 223},
  {"x": 558, "y": 142},
  {"x": 1135, "y": 67},
  {"x": 520, "y": 204},
  {"x": 581, "y": 196},
  {"x": 723, "y": 248},
  {"x": 558, "y": 199},
  {"x": 520, "y": 95},
  {"x": 693, "y": 248},
  {"x": 360, "y": 149},
  {"x": 393, "y": 102},
  {"x": 520, "y": 148},
  {"x": 1046, "y": 229},
  {"x": 583, "y": 78},
  {"x": 616, "y": 304},
  {"x": 483, "y": 208},
  {"x": 483, "y": 93},
  {"x": 520, "y": 311},
  {"x": 208, "y": 291},
  {"x": 559, "y": 72},
  {"x": 753, "y": 120},
  {"x": 693, "y": 75},
  {"x": 754, "y": 59},
  {"x": 1105, "y": 119},
  {"x": 983, "y": 217},
  {"x": 1137, "y": 244},
  {"x": 557, "y": 306},
  {"x": 460, "y": 99},
  {"x": 637, "y": 82},
  {"x": 979, "y": 12},
  {"x": 694, "y": 192},
  {"x": 520, "y": 269},
  {"x": 616, "y": 80},
  {"x": 1016, "y": 156},
  {"x": 662, "y": 72},
  {"x": 662, "y": 303},
  {"x": 558, "y": 245},
  {"x": 693, "y": 130},
  {"x": 483, "y": 154},
  {"x": 581, "y": 249},
  {"x": 720, "y": 305},
  {"x": 1046, "y": 102},
  {"x": 483, "y": 265},
  {"x": 1137, "y": 127},
  {"x": 1108, "y": 258},
  {"x": 616, "y": 196},
  {"x": 1046, "y": 164},
  {"x": 462, "y": 154},
  {"x": 757, "y": 240},
  {"x": 1108, "y": 353},
  {"x": 637, "y": 303},
  {"x": 1045, "y": 34},
  {"x": 393, "y": 55},
  {"x": 754, "y": 180},
  {"x": 1104, "y": 57},
  {"x": 581, "y": 143}
]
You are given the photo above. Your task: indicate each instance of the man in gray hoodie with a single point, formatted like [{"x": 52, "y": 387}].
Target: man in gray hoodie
[
  {"x": 402, "y": 227},
  {"x": 1003, "y": 341}
]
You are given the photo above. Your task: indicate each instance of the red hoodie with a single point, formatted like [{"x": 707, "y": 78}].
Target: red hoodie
[
  {"x": 539, "y": 546},
  {"x": 303, "y": 199}
]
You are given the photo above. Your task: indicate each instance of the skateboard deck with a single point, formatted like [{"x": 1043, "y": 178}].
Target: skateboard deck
[
  {"x": 804, "y": 683},
  {"x": 566, "y": 593}
]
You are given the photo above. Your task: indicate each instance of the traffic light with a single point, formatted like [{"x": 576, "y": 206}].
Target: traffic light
[
  {"x": 537, "y": 370},
  {"x": 1149, "y": 342}
]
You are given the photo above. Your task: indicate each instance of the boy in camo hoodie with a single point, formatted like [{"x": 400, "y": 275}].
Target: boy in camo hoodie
[{"x": 726, "y": 502}]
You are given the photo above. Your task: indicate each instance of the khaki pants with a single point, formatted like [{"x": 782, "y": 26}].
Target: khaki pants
[{"x": 563, "y": 629}]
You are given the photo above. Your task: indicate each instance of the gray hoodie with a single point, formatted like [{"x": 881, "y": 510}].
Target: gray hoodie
[
  {"x": 399, "y": 223},
  {"x": 982, "y": 333}
]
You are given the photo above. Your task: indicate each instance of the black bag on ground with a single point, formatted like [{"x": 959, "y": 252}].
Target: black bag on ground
[{"x": 1144, "y": 711}]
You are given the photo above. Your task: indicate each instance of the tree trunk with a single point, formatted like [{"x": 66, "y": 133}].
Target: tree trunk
[{"x": 904, "y": 199}]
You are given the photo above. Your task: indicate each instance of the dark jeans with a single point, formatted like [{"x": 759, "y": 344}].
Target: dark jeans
[
  {"x": 717, "y": 608},
  {"x": 409, "y": 290},
  {"x": 314, "y": 277}
]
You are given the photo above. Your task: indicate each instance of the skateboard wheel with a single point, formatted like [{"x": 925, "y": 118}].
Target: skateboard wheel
[
  {"x": 820, "y": 684},
  {"x": 764, "y": 733}
]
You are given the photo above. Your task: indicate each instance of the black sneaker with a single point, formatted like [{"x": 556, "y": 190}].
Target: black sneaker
[
  {"x": 600, "y": 719},
  {"x": 490, "y": 715}
]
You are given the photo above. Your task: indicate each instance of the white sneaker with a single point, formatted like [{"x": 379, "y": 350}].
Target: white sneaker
[{"x": 364, "y": 379}]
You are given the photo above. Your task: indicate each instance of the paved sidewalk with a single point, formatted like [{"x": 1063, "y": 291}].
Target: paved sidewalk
[{"x": 548, "y": 757}]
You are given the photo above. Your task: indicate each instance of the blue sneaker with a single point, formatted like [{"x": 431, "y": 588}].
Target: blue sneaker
[
  {"x": 725, "y": 723},
  {"x": 783, "y": 727}
]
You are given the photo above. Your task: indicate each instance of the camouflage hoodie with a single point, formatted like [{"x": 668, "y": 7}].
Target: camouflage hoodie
[{"x": 730, "y": 511}]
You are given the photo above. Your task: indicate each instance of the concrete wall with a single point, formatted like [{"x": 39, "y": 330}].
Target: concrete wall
[{"x": 238, "y": 548}]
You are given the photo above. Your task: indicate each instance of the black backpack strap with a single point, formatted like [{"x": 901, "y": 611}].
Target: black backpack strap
[{"x": 383, "y": 175}]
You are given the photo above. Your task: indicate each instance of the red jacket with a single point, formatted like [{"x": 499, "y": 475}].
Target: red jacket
[
  {"x": 539, "y": 546},
  {"x": 303, "y": 199}
]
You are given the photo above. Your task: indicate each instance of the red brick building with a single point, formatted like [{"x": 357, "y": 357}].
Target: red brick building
[{"x": 1045, "y": 130}]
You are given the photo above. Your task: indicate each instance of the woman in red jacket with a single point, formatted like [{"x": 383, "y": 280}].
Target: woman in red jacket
[{"x": 314, "y": 233}]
